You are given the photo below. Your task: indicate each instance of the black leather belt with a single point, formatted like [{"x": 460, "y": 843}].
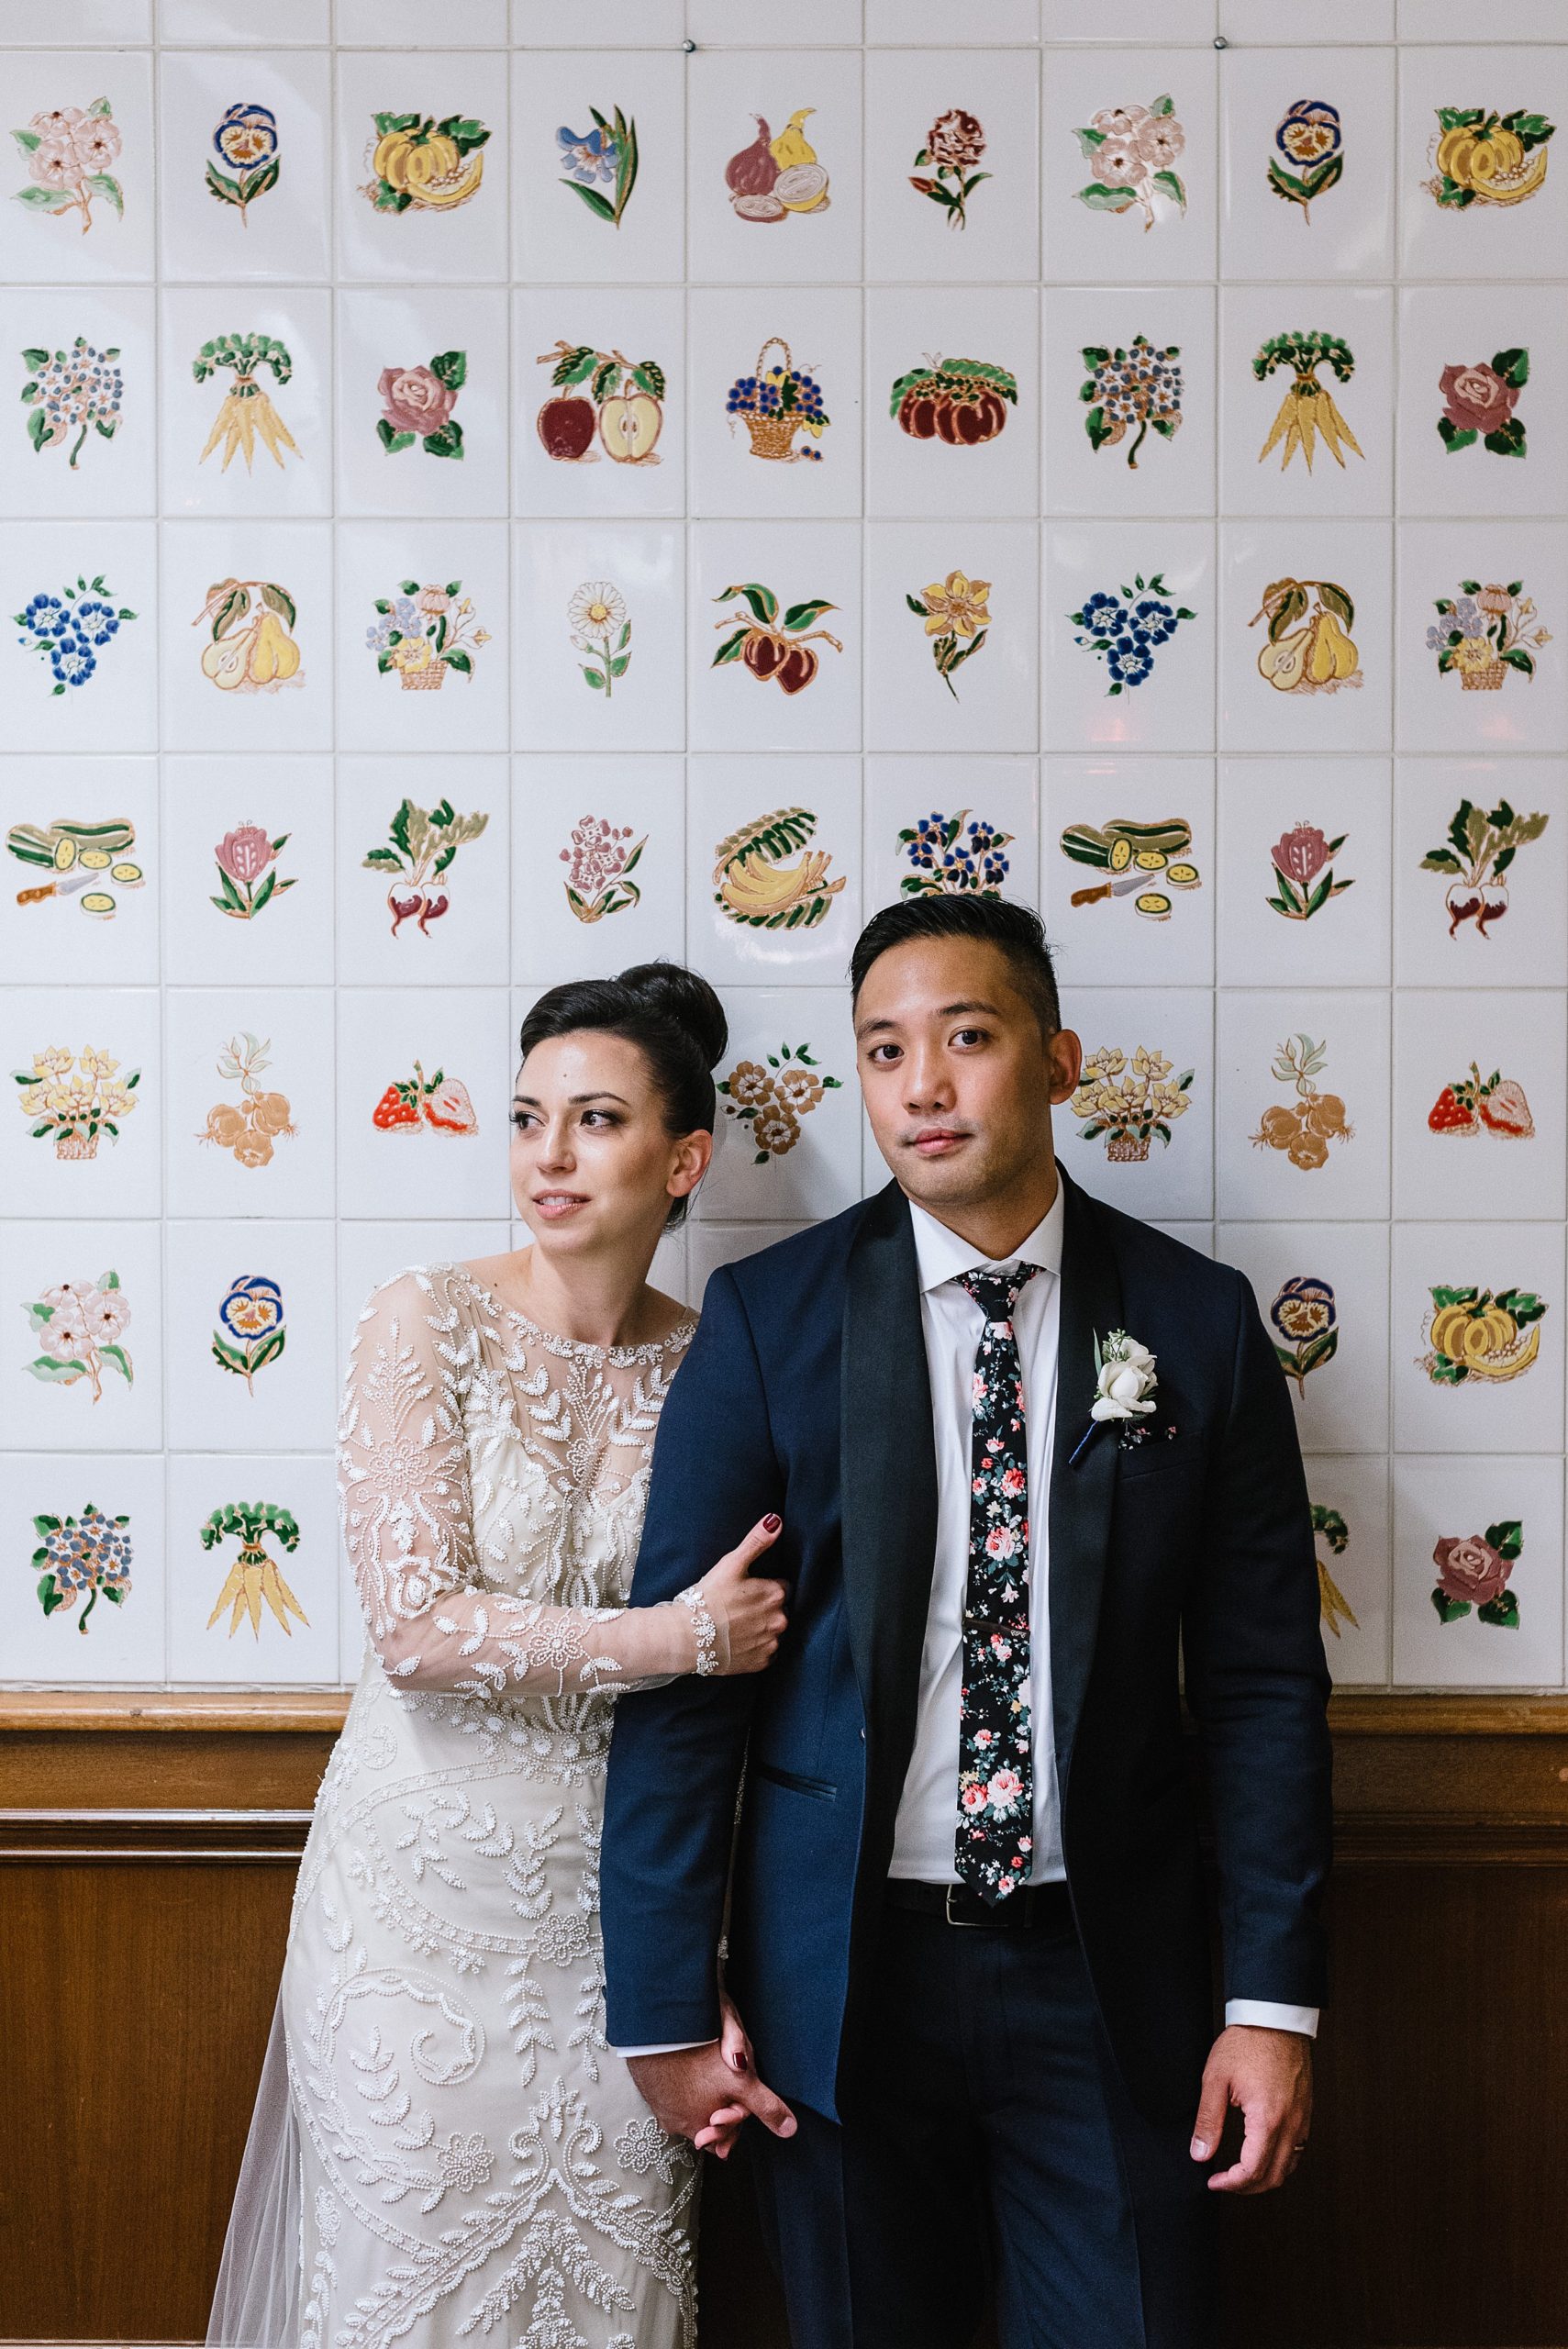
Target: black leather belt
[{"x": 1036, "y": 1905}]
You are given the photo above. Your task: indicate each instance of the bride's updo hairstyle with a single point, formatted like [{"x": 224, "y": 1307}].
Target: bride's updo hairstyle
[{"x": 673, "y": 1017}]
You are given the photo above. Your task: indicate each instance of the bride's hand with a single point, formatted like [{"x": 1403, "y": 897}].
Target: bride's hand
[
  {"x": 748, "y": 1612},
  {"x": 734, "y": 2044}
]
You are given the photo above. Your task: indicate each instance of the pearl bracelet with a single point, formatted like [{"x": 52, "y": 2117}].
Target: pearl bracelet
[{"x": 706, "y": 1630}]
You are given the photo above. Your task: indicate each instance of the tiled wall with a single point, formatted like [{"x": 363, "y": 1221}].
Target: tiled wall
[{"x": 278, "y": 573}]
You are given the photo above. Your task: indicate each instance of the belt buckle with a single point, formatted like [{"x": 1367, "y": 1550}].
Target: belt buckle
[{"x": 970, "y": 1924}]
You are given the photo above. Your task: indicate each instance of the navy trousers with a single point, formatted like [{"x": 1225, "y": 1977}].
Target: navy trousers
[{"x": 988, "y": 2149}]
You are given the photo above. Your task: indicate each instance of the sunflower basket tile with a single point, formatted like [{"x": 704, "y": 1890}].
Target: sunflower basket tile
[{"x": 422, "y": 633}]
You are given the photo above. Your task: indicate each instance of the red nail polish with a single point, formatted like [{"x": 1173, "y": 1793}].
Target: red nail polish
[{"x": 771, "y": 1523}]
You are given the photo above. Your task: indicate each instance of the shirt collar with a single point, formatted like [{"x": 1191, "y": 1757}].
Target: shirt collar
[{"x": 943, "y": 1254}]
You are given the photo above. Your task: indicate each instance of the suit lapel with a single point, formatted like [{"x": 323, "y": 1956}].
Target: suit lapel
[
  {"x": 889, "y": 1493},
  {"x": 1081, "y": 1498}
]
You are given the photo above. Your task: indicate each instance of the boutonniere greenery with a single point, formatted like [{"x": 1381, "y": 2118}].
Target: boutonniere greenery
[{"x": 1125, "y": 1382}]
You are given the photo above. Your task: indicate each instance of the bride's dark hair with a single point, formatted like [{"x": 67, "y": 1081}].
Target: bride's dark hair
[{"x": 673, "y": 1017}]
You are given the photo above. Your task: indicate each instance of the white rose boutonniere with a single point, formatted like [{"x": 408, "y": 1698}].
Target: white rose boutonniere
[{"x": 1126, "y": 1380}]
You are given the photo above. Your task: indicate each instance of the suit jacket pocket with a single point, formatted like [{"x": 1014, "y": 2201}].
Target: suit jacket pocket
[
  {"x": 795, "y": 1781},
  {"x": 1165, "y": 1460}
]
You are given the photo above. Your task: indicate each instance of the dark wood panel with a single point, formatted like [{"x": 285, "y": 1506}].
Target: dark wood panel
[{"x": 147, "y": 1857}]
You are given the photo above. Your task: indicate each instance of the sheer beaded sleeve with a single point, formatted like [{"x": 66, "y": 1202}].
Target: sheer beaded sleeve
[{"x": 407, "y": 1514}]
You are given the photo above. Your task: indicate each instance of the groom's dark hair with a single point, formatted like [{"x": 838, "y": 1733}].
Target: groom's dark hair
[{"x": 1015, "y": 930}]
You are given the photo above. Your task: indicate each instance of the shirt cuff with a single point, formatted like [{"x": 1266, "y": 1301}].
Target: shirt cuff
[
  {"x": 666, "y": 2047},
  {"x": 1264, "y": 2015}
]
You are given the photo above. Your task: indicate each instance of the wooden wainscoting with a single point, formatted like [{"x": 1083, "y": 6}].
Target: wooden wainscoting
[{"x": 150, "y": 1845}]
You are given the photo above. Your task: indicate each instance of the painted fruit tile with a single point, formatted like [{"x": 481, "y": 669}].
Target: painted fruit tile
[
  {"x": 1477, "y": 1337},
  {"x": 780, "y": 369},
  {"x": 601, "y": 410},
  {"x": 248, "y": 1115},
  {"x": 756, "y": 118},
  {"x": 774, "y": 891},
  {"x": 1478, "y": 1104},
  {"x": 245, "y": 636},
  {"x": 1305, "y": 635},
  {"x": 775, "y": 622},
  {"x": 421, "y": 167},
  {"x": 1302, "y": 1108},
  {"x": 951, "y": 402},
  {"x": 1494, "y": 209},
  {"x": 424, "y": 1101}
]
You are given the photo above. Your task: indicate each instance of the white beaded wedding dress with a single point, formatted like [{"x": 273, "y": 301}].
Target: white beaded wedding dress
[{"x": 445, "y": 2149}]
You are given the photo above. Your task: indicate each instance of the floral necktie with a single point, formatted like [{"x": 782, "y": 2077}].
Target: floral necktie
[{"x": 995, "y": 1793}]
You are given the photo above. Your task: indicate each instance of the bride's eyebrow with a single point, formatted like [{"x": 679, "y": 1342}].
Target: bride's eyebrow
[{"x": 574, "y": 1100}]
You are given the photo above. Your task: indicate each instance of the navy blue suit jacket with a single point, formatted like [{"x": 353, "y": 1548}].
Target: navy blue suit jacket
[{"x": 805, "y": 1391}]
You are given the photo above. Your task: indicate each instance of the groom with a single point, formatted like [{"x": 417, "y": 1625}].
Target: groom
[{"x": 968, "y": 1927}]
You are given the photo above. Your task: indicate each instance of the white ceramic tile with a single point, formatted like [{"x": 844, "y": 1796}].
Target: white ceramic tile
[
  {"x": 61, "y": 679},
  {"x": 1438, "y": 1501},
  {"x": 87, "y": 1375},
  {"x": 442, "y": 358},
  {"x": 405, "y": 24},
  {"x": 537, "y": 23},
  {"x": 232, "y": 1288},
  {"x": 930, "y": 831},
  {"x": 1144, "y": 471},
  {"x": 205, "y": 466},
  {"x": 1294, "y": 910},
  {"x": 1322, "y": 1290},
  {"x": 597, "y": 582},
  {"x": 1139, "y": 20},
  {"x": 736, "y": 706},
  {"x": 464, "y": 562},
  {"x": 809, "y": 21},
  {"x": 449, "y": 1157},
  {"x": 1351, "y": 1537},
  {"x": 1258, "y": 22},
  {"x": 419, "y": 918},
  {"x": 68, "y": 935},
  {"x": 262, "y": 819},
  {"x": 981, "y": 231},
  {"x": 1174, "y": 1178},
  {"x": 249, "y": 1120},
  {"x": 76, "y": 1167},
  {"x": 1453, "y": 20},
  {"x": 85, "y": 180},
  {"x": 558, "y": 238},
  {"x": 1462, "y": 1144},
  {"x": 1168, "y": 230},
  {"x": 82, "y": 444},
  {"x": 799, "y": 1158},
  {"x": 290, "y": 1645},
  {"x": 1450, "y": 340},
  {"x": 215, "y": 24},
  {"x": 121, "y": 1644},
  {"x": 464, "y": 236},
  {"x": 590, "y": 816},
  {"x": 1303, "y": 1109},
  {"x": 1518, "y": 1410},
  {"x": 1511, "y": 565},
  {"x": 731, "y": 96},
  {"x": 740, "y": 865},
  {"x": 1114, "y": 920},
  {"x": 911, "y": 468},
  {"x": 621, "y": 452},
  {"x": 1351, "y": 470},
  {"x": 1349, "y": 712},
  {"x": 1008, "y": 23},
  {"x": 713, "y": 1245},
  {"x": 277, "y": 643},
  {"x": 1293, "y": 111},
  {"x": 228, "y": 118},
  {"x": 930, "y": 683},
  {"x": 1158, "y": 695},
  {"x": 1458, "y": 922},
  {"x": 1485, "y": 238},
  {"x": 1197, "y": 1236},
  {"x": 739, "y": 337},
  {"x": 115, "y": 20}
]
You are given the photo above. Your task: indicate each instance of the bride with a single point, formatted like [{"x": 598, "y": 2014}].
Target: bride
[{"x": 444, "y": 2146}]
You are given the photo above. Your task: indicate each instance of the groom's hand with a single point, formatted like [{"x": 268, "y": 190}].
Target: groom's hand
[
  {"x": 1267, "y": 2075},
  {"x": 695, "y": 2089}
]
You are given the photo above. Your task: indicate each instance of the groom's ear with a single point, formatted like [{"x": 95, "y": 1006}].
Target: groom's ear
[{"x": 1065, "y": 1058}]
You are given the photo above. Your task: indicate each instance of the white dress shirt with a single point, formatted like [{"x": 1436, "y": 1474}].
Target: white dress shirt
[{"x": 926, "y": 1828}]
